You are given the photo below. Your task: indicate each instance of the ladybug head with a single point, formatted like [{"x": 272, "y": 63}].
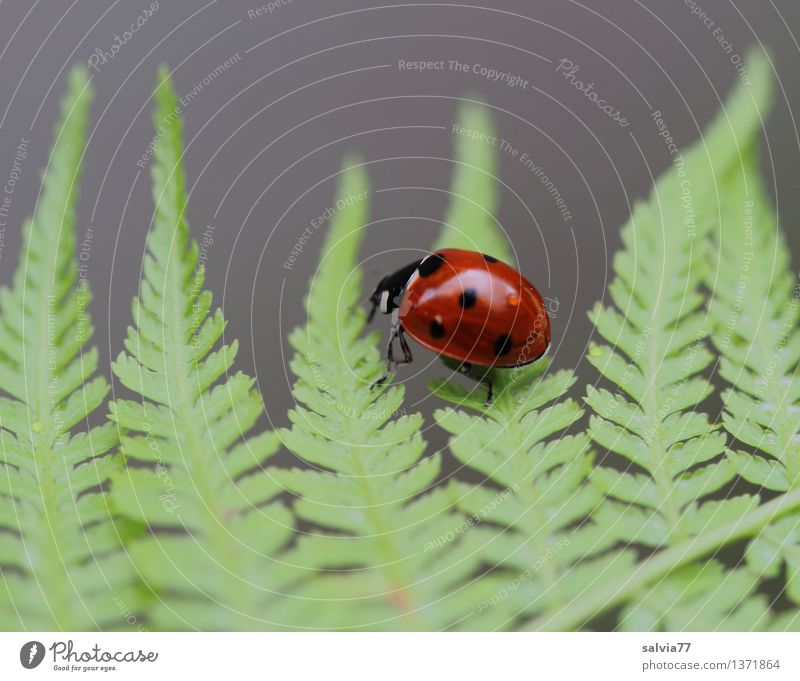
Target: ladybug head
[{"x": 387, "y": 294}]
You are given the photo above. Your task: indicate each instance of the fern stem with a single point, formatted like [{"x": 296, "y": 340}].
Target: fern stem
[
  {"x": 597, "y": 600},
  {"x": 400, "y": 597},
  {"x": 660, "y": 471},
  {"x": 527, "y": 494}
]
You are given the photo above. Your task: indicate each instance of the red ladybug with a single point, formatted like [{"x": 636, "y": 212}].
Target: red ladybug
[{"x": 466, "y": 306}]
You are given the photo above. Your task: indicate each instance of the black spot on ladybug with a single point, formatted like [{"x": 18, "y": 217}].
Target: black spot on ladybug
[
  {"x": 436, "y": 329},
  {"x": 489, "y": 258},
  {"x": 431, "y": 264},
  {"x": 502, "y": 345},
  {"x": 468, "y": 298}
]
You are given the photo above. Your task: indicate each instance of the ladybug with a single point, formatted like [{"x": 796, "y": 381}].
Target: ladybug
[{"x": 466, "y": 306}]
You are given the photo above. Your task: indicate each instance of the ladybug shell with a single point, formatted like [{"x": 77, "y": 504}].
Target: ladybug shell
[{"x": 475, "y": 309}]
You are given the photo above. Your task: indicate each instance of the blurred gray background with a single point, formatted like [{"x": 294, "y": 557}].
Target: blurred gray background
[{"x": 309, "y": 80}]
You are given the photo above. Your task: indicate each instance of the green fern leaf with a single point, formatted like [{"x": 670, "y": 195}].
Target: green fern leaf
[
  {"x": 471, "y": 218},
  {"x": 61, "y": 564},
  {"x": 522, "y": 518},
  {"x": 662, "y": 504},
  {"x": 617, "y": 580},
  {"x": 388, "y": 553},
  {"x": 703, "y": 596},
  {"x": 756, "y": 307},
  {"x": 526, "y": 525},
  {"x": 199, "y": 484},
  {"x": 656, "y": 329}
]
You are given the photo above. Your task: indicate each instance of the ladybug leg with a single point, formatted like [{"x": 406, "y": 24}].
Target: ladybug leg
[
  {"x": 371, "y": 313},
  {"x": 489, "y": 394},
  {"x": 392, "y": 363},
  {"x": 407, "y": 356},
  {"x": 469, "y": 371}
]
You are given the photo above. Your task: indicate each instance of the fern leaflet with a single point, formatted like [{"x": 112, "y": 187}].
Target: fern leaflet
[
  {"x": 756, "y": 306},
  {"x": 677, "y": 447},
  {"x": 390, "y": 551},
  {"x": 199, "y": 484},
  {"x": 657, "y": 329},
  {"x": 60, "y": 564},
  {"x": 526, "y": 523}
]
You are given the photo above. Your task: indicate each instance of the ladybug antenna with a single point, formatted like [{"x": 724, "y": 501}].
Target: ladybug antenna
[
  {"x": 372, "y": 310},
  {"x": 374, "y": 299}
]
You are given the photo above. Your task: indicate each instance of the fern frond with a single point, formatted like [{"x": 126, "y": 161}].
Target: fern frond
[
  {"x": 755, "y": 307},
  {"x": 526, "y": 521},
  {"x": 656, "y": 328},
  {"x": 59, "y": 557},
  {"x": 195, "y": 479},
  {"x": 388, "y": 553},
  {"x": 523, "y": 515},
  {"x": 471, "y": 218},
  {"x": 621, "y": 582},
  {"x": 665, "y": 508},
  {"x": 702, "y": 596}
]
